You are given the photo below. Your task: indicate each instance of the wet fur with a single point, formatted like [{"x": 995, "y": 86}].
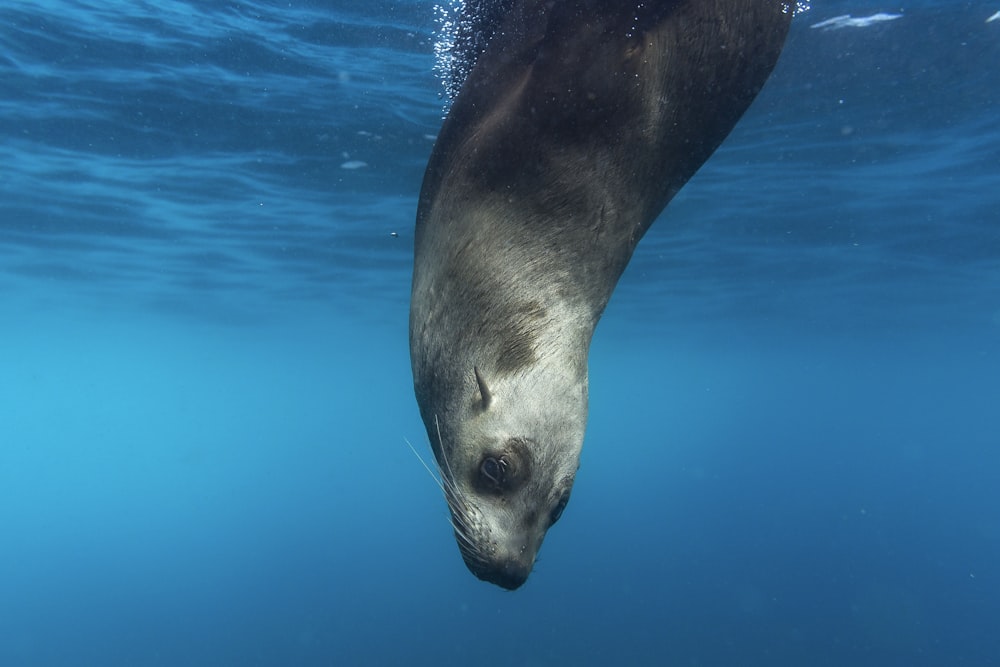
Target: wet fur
[{"x": 574, "y": 129}]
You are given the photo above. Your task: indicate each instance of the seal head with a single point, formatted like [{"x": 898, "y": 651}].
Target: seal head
[{"x": 577, "y": 124}]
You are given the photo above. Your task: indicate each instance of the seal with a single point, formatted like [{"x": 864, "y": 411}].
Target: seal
[{"x": 575, "y": 126}]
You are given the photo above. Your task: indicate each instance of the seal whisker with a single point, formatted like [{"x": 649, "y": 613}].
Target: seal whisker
[
  {"x": 450, "y": 473},
  {"x": 457, "y": 519},
  {"x": 426, "y": 467},
  {"x": 443, "y": 481},
  {"x": 461, "y": 512},
  {"x": 451, "y": 491},
  {"x": 460, "y": 532}
]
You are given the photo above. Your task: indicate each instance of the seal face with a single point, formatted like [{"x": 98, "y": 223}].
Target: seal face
[{"x": 577, "y": 124}]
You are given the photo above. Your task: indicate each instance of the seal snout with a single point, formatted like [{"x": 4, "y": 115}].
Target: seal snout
[
  {"x": 509, "y": 573},
  {"x": 508, "y": 570}
]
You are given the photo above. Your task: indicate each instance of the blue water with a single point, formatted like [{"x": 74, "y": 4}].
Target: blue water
[{"x": 793, "y": 456}]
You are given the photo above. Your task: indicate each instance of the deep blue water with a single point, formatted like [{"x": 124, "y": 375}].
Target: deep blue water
[{"x": 793, "y": 456}]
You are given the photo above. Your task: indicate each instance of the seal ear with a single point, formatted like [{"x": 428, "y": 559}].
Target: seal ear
[{"x": 484, "y": 392}]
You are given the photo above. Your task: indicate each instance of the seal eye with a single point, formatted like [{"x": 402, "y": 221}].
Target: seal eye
[
  {"x": 493, "y": 470},
  {"x": 558, "y": 510},
  {"x": 502, "y": 471}
]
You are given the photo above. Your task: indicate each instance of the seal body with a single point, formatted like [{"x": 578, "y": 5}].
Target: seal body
[{"x": 577, "y": 124}]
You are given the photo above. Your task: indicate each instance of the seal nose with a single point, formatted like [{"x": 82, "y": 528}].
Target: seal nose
[{"x": 509, "y": 574}]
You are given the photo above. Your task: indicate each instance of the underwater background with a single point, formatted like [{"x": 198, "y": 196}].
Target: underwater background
[{"x": 206, "y": 215}]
